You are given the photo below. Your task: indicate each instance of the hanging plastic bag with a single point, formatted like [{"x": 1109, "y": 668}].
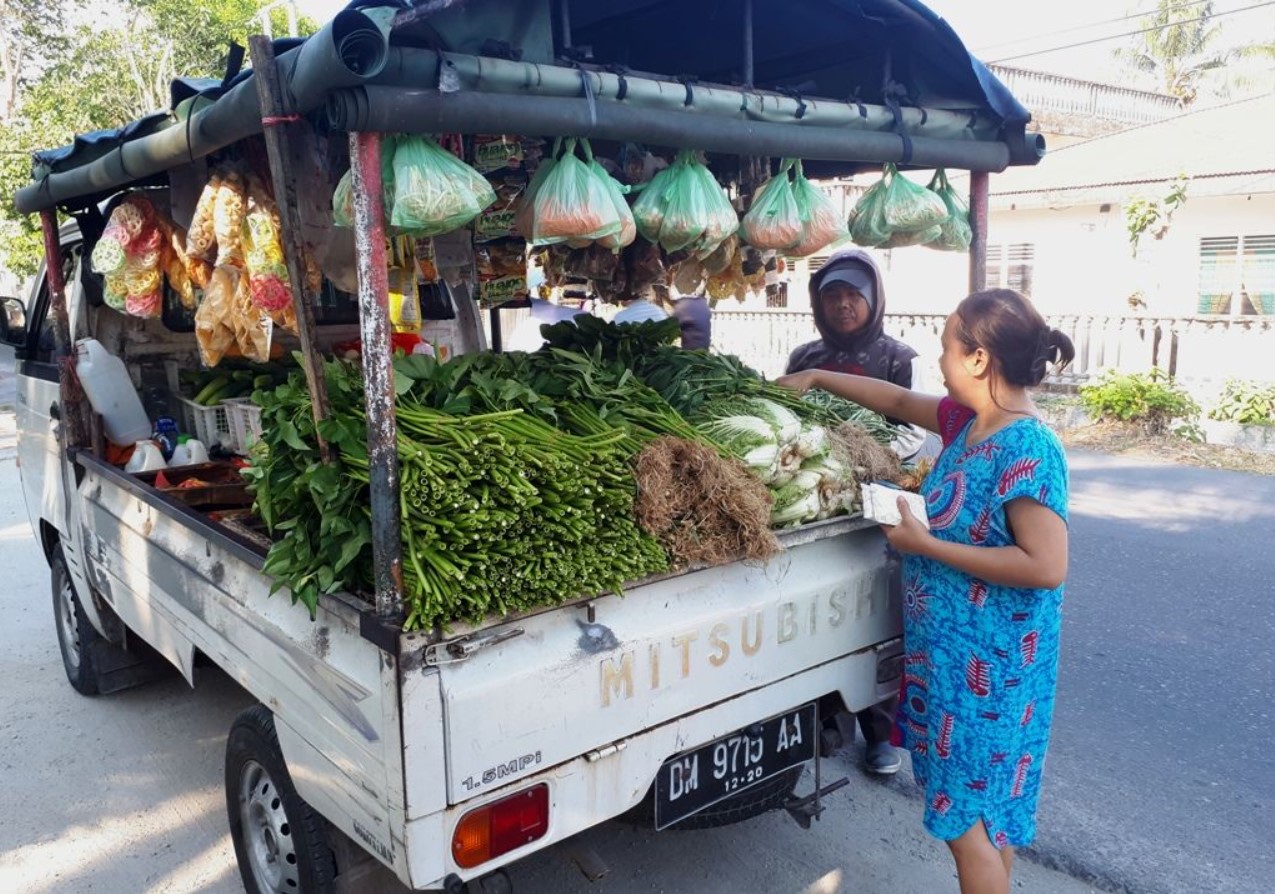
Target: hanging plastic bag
[
  {"x": 434, "y": 191},
  {"x": 686, "y": 205},
  {"x": 867, "y": 220},
  {"x": 721, "y": 221},
  {"x": 268, "y": 281},
  {"x": 956, "y": 234},
  {"x": 525, "y": 218},
  {"x": 651, "y": 206},
  {"x": 821, "y": 223},
  {"x": 572, "y": 204},
  {"x": 628, "y": 226},
  {"x": 343, "y": 195},
  {"x": 213, "y": 328},
  {"x": 909, "y": 207},
  {"x": 905, "y": 238},
  {"x": 228, "y": 212},
  {"x": 773, "y": 221}
]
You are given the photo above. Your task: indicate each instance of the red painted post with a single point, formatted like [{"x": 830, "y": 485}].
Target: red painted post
[
  {"x": 979, "y": 187},
  {"x": 378, "y": 371}
]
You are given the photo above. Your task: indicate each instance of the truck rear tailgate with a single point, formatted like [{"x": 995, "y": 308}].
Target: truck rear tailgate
[{"x": 568, "y": 684}]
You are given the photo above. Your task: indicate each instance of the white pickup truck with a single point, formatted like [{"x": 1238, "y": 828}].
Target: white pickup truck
[{"x": 692, "y": 700}]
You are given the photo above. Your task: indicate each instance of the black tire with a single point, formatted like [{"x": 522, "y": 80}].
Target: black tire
[
  {"x": 280, "y": 842},
  {"x": 78, "y": 641},
  {"x": 744, "y": 805}
]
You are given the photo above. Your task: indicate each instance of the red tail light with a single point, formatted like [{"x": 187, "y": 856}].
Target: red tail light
[{"x": 501, "y": 826}]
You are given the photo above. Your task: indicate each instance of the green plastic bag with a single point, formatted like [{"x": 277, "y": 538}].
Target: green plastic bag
[
  {"x": 910, "y": 208},
  {"x": 867, "y": 220},
  {"x": 956, "y": 233},
  {"x": 628, "y": 227},
  {"x": 905, "y": 238},
  {"x": 343, "y": 195},
  {"x": 685, "y": 205},
  {"x": 525, "y": 218},
  {"x": 821, "y": 223},
  {"x": 572, "y": 204},
  {"x": 721, "y": 220},
  {"x": 773, "y": 221},
  {"x": 649, "y": 209},
  {"x": 434, "y": 191}
]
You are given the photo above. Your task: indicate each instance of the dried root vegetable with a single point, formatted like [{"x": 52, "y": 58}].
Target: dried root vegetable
[{"x": 703, "y": 508}]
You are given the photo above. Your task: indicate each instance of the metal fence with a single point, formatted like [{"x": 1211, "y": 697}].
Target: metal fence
[{"x": 1199, "y": 351}]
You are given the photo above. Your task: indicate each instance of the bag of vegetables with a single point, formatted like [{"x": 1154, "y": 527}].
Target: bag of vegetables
[
  {"x": 572, "y": 204},
  {"x": 867, "y": 221},
  {"x": 821, "y": 223},
  {"x": 434, "y": 191},
  {"x": 773, "y": 221},
  {"x": 908, "y": 207},
  {"x": 956, "y": 234}
]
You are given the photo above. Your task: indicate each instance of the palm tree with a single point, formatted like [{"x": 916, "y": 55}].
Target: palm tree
[{"x": 1181, "y": 49}]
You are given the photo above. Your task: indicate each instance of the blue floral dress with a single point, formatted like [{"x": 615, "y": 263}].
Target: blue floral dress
[{"x": 981, "y": 660}]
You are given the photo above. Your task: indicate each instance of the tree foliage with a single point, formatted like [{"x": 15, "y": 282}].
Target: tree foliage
[
  {"x": 100, "y": 76},
  {"x": 1185, "y": 52}
]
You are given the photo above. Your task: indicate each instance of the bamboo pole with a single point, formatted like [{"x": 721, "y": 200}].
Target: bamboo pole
[{"x": 275, "y": 120}]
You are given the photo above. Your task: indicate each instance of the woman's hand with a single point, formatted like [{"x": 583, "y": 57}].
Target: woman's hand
[
  {"x": 909, "y": 536},
  {"x": 801, "y": 382}
]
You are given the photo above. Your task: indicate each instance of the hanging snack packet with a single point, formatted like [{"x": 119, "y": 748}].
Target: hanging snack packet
[
  {"x": 434, "y": 191},
  {"x": 773, "y": 222},
  {"x": 821, "y": 223},
  {"x": 268, "y": 281}
]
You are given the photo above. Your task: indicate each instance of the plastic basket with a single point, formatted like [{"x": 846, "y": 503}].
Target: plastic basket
[
  {"x": 207, "y": 424},
  {"x": 244, "y": 420}
]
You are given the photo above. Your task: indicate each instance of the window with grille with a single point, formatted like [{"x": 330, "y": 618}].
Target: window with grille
[
  {"x": 1237, "y": 275},
  {"x": 1010, "y": 266}
]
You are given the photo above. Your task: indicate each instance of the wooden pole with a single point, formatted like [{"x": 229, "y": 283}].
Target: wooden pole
[
  {"x": 275, "y": 119},
  {"x": 73, "y": 425},
  {"x": 979, "y": 187},
  {"x": 378, "y": 371}
]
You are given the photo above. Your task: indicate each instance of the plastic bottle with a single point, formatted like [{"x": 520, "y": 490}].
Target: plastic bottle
[
  {"x": 198, "y": 452},
  {"x": 146, "y": 458},
  {"x": 111, "y": 393},
  {"x": 181, "y": 453}
]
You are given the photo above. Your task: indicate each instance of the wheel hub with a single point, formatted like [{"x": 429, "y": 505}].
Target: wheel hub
[
  {"x": 271, "y": 851},
  {"x": 69, "y": 624}
]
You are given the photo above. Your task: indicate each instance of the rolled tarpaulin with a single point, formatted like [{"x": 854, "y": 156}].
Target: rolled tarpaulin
[
  {"x": 349, "y": 50},
  {"x": 395, "y": 109}
]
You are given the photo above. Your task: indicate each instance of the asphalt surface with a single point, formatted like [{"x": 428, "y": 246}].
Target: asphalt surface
[{"x": 1160, "y": 776}]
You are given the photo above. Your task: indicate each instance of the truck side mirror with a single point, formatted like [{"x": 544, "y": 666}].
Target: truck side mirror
[{"x": 13, "y": 322}]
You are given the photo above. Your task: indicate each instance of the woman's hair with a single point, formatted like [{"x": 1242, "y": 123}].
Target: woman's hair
[{"x": 1020, "y": 342}]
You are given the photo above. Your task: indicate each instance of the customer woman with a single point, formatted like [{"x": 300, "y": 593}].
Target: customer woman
[{"x": 983, "y": 586}]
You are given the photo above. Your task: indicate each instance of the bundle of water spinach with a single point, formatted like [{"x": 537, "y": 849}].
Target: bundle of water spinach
[{"x": 502, "y": 512}]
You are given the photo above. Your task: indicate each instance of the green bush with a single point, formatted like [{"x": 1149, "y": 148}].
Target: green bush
[
  {"x": 1150, "y": 400},
  {"x": 1248, "y": 403}
]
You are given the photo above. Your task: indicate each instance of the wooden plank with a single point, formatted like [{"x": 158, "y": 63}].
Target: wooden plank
[
  {"x": 979, "y": 187},
  {"x": 275, "y": 118},
  {"x": 73, "y": 428}
]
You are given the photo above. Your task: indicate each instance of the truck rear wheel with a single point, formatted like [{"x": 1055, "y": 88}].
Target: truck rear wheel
[
  {"x": 77, "y": 639},
  {"x": 279, "y": 839}
]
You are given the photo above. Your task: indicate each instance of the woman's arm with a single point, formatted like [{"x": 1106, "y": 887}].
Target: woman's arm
[
  {"x": 882, "y": 397},
  {"x": 1037, "y": 560}
]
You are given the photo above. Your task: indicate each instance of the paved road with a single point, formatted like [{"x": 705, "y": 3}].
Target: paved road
[{"x": 1161, "y": 775}]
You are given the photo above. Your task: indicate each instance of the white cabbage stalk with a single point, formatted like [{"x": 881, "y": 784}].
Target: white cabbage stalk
[
  {"x": 789, "y": 460},
  {"x": 786, "y": 422},
  {"x": 812, "y": 442},
  {"x": 803, "y": 508},
  {"x": 730, "y": 428}
]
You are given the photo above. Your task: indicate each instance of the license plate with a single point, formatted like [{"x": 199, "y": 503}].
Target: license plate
[{"x": 698, "y": 779}]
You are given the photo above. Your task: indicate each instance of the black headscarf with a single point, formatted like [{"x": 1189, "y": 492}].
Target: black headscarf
[{"x": 875, "y": 326}]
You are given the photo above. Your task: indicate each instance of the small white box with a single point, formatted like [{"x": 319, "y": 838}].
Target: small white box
[{"x": 881, "y": 504}]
